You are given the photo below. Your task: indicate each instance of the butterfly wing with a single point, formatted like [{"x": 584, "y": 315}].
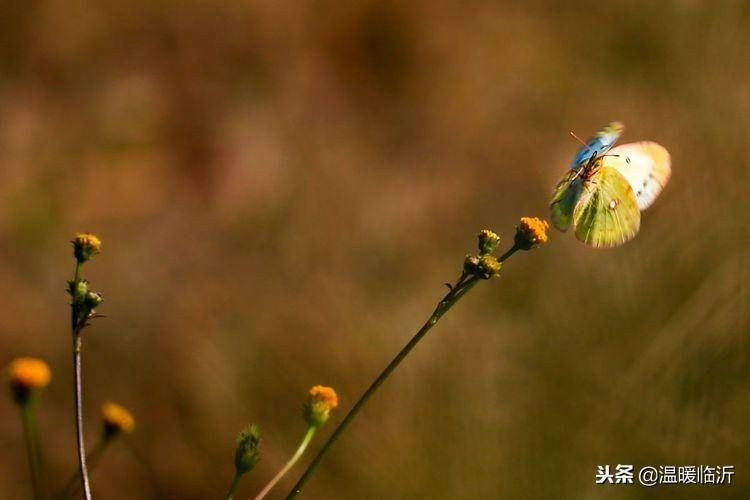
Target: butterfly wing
[
  {"x": 567, "y": 193},
  {"x": 606, "y": 214},
  {"x": 646, "y": 165},
  {"x": 600, "y": 143}
]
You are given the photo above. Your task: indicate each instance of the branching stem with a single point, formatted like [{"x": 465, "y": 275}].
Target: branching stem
[{"x": 458, "y": 290}]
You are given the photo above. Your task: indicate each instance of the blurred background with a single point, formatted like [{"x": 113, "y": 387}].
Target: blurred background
[{"x": 282, "y": 188}]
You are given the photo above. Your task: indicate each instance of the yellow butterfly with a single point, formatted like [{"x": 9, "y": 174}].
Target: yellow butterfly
[{"x": 605, "y": 190}]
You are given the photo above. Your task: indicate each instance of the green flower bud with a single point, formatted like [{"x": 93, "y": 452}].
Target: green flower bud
[
  {"x": 488, "y": 241},
  {"x": 93, "y": 299},
  {"x": 78, "y": 290},
  {"x": 248, "y": 453}
]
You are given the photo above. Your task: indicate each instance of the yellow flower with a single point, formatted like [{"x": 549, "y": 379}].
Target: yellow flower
[
  {"x": 320, "y": 401},
  {"x": 27, "y": 374},
  {"x": 531, "y": 232},
  {"x": 488, "y": 241},
  {"x": 85, "y": 246},
  {"x": 116, "y": 419},
  {"x": 31, "y": 373}
]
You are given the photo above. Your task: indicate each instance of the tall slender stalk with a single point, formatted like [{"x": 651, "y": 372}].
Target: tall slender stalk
[
  {"x": 302, "y": 447},
  {"x": 32, "y": 447},
  {"x": 78, "y": 394},
  {"x": 465, "y": 283},
  {"x": 77, "y": 323}
]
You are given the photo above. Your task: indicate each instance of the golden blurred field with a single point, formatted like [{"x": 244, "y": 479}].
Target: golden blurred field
[{"x": 282, "y": 188}]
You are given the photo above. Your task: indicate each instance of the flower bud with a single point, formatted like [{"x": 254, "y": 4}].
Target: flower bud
[
  {"x": 488, "y": 241},
  {"x": 25, "y": 376},
  {"x": 489, "y": 266},
  {"x": 248, "y": 452},
  {"x": 85, "y": 246},
  {"x": 471, "y": 264},
  {"x": 93, "y": 299},
  {"x": 530, "y": 233},
  {"x": 320, "y": 401},
  {"x": 78, "y": 290},
  {"x": 116, "y": 419}
]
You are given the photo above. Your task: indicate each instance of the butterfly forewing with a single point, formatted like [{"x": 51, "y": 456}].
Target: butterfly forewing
[
  {"x": 646, "y": 165},
  {"x": 599, "y": 144},
  {"x": 606, "y": 214}
]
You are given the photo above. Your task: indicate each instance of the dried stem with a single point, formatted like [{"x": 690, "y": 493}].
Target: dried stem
[{"x": 78, "y": 390}]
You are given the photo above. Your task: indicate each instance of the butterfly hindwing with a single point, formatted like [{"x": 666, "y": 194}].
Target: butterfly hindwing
[
  {"x": 647, "y": 167},
  {"x": 567, "y": 193},
  {"x": 606, "y": 214},
  {"x": 599, "y": 144}
]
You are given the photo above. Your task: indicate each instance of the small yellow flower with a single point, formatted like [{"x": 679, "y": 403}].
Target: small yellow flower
[
  {"x": 116, "y": 419},
  {"x": 85, "y": 246},
  {"x": 320, "y": 401},
  {"x": 31, "y": 373},
  {"x": 531, "y": 232},
  {"x": 488, "y": 241},
  {"x": 27, "y": 374}
]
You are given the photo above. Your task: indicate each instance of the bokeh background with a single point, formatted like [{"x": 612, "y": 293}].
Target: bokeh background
[{"x": 282, "y": 188}]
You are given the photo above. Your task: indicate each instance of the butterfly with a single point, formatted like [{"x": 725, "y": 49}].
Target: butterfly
[{"x": 605, "y": 189}]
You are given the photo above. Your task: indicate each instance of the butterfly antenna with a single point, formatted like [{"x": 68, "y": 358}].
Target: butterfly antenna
[{"x": 579, "y": 140}]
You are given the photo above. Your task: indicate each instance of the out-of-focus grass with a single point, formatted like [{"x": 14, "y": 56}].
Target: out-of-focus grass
[{"x": 282, "y": 188}]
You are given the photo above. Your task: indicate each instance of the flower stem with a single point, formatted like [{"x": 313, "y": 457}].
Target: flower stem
[
  {"x": 76, "y": 325},
  {"x": 303, "y": 445},
  {"x": 510, "y": 252},
  {"x": 233, "y": 487},
  {"x": 32, "y": 447},
  {"x": 78, "y": 394},
  {"x": 462, "y": 286}
]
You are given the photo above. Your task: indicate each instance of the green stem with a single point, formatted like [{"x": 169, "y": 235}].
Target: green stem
[
  {"x": 92, "y": 459},
  {"x": 464, "y": 284},
  {"x": 507, "y": 254},
  {"x": 32, "y": 447},
  {"x": 73, "y": 306},
  {"x": 233, "y": 487},
  {"x": 303, "y": 445}
]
